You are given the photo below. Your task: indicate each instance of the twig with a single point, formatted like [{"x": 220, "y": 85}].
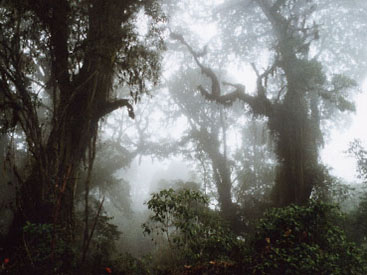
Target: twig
[
  {"x": 57, "y": 209},
  {"x": 91, "y": 157},
  {"x": 92, "y": 231},
  {"x": 27, "y": 250}
]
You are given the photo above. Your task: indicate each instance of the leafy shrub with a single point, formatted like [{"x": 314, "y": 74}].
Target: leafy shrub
[
  {"x": 102, "y": 243},
  {"x": 194, "y": 231},
  {"x": 356, "y": 225},
  {"x": 44, "y": 250},
  {"x": 304, "y": 240},
  {"x": 125, "y": 263}
]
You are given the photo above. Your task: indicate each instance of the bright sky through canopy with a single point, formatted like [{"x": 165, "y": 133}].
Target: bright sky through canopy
[{"x": 334, "y": 152}]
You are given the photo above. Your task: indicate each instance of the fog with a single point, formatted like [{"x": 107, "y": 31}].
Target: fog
[
  {"x": 145, "y": 174},
  {"x": 334, "y": 153},
  {"x": 183, "y": 137}
]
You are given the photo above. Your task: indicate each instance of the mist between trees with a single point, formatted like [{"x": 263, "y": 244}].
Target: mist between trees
[{"x": 180, "y": 137}]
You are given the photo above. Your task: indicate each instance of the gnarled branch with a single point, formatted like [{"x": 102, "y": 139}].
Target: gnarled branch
[
  {"x": 116, "y": 104},
  {"x": 259, "y": 104}
]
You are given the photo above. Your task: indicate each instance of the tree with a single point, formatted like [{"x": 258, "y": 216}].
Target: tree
[
  {"x": 60, "y": 62},
  {"x": 357, "y": 226},
  {"x": 360, "y": 154},
  {"x": 207, "y": 134},
  {"x": 291, "y": 93}
]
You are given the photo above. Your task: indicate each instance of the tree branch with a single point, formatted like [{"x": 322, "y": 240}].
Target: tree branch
[
  {"x": 205, "y": 70},
  {"x": 260, "y": 104},
  {"x": 54, "y": 14},
  {"x": 116, "y": 104}
]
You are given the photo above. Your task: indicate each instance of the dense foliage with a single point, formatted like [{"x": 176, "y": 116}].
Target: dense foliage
[
  {"x": 296, "y": 239},
  {"x": 193, "y": 231},
  {"x": 304, "y": 240}
]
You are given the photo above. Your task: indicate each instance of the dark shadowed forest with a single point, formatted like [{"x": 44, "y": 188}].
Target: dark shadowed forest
[{"x": 183, "y": 137}]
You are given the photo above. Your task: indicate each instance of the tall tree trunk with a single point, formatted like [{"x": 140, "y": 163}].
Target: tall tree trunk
[
  {"x": 295, "y": 151},
  {"x": 221, "y": 174},
  {"x": 222, "y": 178}
]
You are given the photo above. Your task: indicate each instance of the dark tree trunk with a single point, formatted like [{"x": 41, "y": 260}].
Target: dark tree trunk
[
  {"x": 221, "y": 174},
  {"x": 47, "y": 194},
  {"x": 222, "y": 178},
  {"x": 295, "y": 150}
]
